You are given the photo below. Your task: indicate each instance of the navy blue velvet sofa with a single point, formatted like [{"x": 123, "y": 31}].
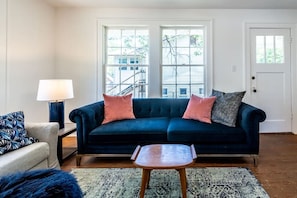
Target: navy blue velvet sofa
[{"x": 160, "y": 120}]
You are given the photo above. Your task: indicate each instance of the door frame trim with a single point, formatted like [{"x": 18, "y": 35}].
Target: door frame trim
[{"x": 247, "y": 63}]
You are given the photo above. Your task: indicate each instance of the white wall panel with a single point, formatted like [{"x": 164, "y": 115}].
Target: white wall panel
[
  {"x": 30, "y": 55},
  {"x": 3, "y": 37}
]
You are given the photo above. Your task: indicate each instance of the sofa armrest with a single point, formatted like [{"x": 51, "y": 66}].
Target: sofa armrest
[
  {"x": 86, "y": 118},
  {"x": 46, "y": 132},
  {"x": 249, "y": 118}
]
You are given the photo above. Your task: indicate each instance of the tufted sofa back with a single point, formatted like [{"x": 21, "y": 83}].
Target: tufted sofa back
[{"x": 159, "y": 107}]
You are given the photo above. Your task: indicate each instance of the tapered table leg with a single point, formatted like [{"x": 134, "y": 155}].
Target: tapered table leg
[
  {"x": 144, "y": 182},
  {"x": 183, "y": 181},
  {"x": 148, "y": 178}
]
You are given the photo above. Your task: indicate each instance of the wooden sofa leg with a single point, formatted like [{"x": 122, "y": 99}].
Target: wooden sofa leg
[
  {"x": 78, "y": 160},
  {"x": 256, "y": 160}
]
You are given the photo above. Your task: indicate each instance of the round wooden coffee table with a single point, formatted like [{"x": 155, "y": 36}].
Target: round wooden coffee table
[{"x": 164, "y": 156}]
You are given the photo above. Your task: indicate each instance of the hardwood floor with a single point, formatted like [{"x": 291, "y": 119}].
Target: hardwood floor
[{"x": 276, "y": 171}]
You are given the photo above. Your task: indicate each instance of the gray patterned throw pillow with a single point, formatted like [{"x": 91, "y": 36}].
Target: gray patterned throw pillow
[{"x": 226, "y": 107}]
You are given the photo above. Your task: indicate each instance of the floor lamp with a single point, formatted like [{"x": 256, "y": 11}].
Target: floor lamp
[{"x": 55, "y": 91}]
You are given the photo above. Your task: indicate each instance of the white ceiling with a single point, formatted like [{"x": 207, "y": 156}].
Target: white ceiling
[{"x": 182, "y": 4}]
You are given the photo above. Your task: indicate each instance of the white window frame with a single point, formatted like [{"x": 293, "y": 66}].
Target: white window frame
[
  {"x": 188, "y": 85},
  {"x": 126, "y": 66},
  {"x": 154, "y": 73}
]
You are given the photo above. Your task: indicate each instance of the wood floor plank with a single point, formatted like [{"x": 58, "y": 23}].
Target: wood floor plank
[{"x": 276, "y": 171}]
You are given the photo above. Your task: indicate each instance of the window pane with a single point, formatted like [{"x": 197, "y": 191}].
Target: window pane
[
  {"x": 260, "y": 49},
  {"x": 112, "y": 75},
  {"x": 197, "y": 75},
  {"x": 142, "y": 47},
  {"x": 183, "y": 91},
  {"x": 183, "y": 75},
  {"x": 127, "y": 75},
  {"x": 269, "y": 49},
  {"x": 198, "y": 90},
  {"x": 182, "y": 38},
  {"x": 197, "y": 56},
  {"x": 196, "y": 38},
  {"x": 112, "y": 80},
  {"x": 141, "y": 75},
  {"x": 169, "y": 75},
  {"x": 114, "y": 51},
  {"x": 128, "y": 51},
  {"x": 279, "y": 49},
  {"x": 141, "y": 91},
  {"x": 142, "y": 38},
  {"x": 270, "y": 57},
  {"x": 169, "y": 38},
  {"x": 114, "y": 38},
  {"x": 168, "y": 91},
  {"x": 183, "y": 57},
  {"x": 128, "y": 38},
  {"x": 112, "y": 60},
  {"x": 126, "y": 89},
  {"x": 168, "y": 56}
]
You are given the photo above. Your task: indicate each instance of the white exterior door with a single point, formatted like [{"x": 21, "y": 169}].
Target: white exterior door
[{"x": 271, "y": 77}]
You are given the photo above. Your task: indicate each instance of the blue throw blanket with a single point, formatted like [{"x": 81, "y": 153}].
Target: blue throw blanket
[{"x": 41, "y": 184}]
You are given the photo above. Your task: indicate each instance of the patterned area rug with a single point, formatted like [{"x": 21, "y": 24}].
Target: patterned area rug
[{"x": 202, "y": 182}]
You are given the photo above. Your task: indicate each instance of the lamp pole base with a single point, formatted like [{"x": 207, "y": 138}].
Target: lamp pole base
[{"x": 56, "y": 113}]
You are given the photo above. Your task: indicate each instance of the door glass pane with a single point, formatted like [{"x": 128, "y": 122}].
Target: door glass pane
[
  {"x": 279, "y": 49},
  {"x": 270, "y": 49},
  {"x": 260, "y": 49}
]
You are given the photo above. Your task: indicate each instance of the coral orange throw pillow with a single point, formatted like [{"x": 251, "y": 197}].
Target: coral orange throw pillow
[
  {"x": 199, "y": 108},
  {"x": 117, "y": 108}
]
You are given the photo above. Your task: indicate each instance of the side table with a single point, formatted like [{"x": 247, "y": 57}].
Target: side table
[{"x": 64, "y": 153}]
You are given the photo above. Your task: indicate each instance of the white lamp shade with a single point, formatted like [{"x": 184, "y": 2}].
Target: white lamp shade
[{"x": 55, "y": 90}]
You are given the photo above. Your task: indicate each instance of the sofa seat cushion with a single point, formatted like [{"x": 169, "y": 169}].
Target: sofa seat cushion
[
  {"x": 137, "y": 131},
  {"x": 192, "y": 131},
  {"x": 30, "y": 156}
]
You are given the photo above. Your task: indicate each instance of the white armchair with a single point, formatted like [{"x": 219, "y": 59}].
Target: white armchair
[{"x": 39, "y": 155}]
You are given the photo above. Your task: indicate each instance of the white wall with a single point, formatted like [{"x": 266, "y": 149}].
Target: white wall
[
  {"x": 30, "y": 51},
  {"x": 3, "y": 29},
  {"x": 77, "y": 43}
]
